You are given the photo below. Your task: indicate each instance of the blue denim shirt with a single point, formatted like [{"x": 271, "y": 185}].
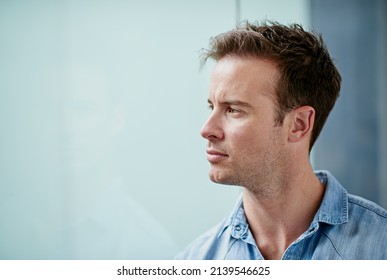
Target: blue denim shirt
[{"x": 344, "y": 227}]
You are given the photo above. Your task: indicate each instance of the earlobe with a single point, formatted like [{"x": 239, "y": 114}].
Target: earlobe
[{"x": 301, "y": 125}]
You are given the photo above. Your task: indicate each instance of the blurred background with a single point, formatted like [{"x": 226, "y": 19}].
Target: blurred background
[{"x": 101, "y": 103}]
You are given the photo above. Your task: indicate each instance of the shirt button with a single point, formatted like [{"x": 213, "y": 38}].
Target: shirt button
[{"x": 237, "y": 228}]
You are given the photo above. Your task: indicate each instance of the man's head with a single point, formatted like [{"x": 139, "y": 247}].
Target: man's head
[
  {"x": 271, "y": 91},
  {"x": 308, "y": 75}
]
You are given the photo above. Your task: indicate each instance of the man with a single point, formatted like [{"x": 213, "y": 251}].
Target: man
[{"x": 271, "y": 92}]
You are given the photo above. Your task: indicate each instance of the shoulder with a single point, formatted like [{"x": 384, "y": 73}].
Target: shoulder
[
  {"x": 367, "y": 216},
  {"x": 204, "y": 246},
  {"x": 360, "y": 205},
  {"x": 354, "y": 227},
  {"x": 363, "y": 234}
]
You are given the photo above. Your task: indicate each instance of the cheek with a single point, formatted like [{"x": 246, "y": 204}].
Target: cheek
[
  {"x": 246, "y": 141},
  {"x": 251, "y": 140}
]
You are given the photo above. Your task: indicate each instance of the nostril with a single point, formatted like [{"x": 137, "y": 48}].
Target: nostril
[{"x": 212, "y": 135}]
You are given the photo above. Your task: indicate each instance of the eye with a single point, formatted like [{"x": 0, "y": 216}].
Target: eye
[{"x": 232, "y": 110}]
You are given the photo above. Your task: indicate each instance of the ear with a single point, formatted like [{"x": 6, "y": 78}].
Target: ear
[{"x": 301, "y": 123}]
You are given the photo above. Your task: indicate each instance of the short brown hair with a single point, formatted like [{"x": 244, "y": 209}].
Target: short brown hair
[{"x": 308, "y": 75}]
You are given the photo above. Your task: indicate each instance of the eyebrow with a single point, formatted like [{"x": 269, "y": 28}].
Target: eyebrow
[{"x": 232, "y": 102}]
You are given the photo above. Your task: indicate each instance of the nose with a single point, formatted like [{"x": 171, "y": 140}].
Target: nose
[{"x": 212, "y": 128}]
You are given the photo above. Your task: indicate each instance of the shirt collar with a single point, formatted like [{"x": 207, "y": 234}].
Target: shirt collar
[
  {"x": 236, "y": 224},
  {"x": 334, "y": 206}
]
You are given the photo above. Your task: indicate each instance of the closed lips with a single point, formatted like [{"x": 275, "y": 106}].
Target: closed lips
[{"x": 214, "y": 156}]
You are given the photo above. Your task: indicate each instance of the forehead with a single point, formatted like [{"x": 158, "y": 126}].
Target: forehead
[{"x": 244, "y": 78}]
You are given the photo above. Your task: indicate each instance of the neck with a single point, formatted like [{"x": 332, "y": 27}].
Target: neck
[{"x": 278, "y": 220}]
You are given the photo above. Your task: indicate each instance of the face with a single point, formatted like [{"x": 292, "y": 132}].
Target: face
[{"x": 245, "y": 145}]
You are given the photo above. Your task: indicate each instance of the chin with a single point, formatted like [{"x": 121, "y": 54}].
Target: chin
[
  {"x": 216, "y": 177},
  {"x": 221, "y": 178}
]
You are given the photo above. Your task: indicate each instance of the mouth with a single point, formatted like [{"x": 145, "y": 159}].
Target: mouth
[{"x": 214, "y": 156}]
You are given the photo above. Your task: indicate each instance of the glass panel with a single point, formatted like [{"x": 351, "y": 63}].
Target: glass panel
[{"x": 101, "y": 103}]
